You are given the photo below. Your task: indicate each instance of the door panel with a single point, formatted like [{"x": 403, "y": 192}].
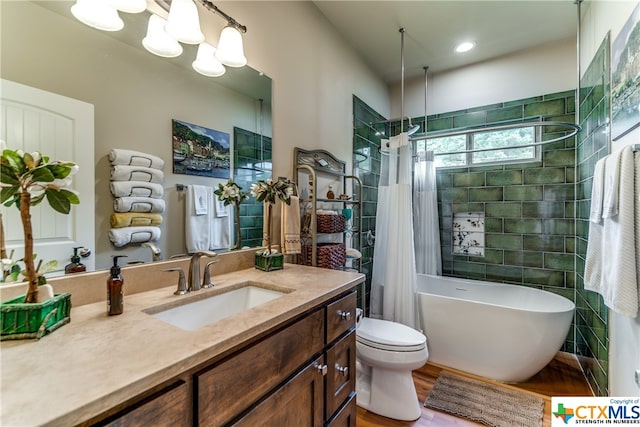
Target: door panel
[{"x": 61, "y": 128}]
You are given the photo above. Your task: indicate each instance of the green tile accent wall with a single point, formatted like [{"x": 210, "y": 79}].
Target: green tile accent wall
[
  {"x": 250, "y": 149},
  {"x": 592, "y": 342},
  {"x": 367, "y": 133}
]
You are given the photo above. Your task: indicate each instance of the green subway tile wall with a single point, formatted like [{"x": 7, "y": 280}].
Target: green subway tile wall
[
  {"x": 367, "y": 133},
  {"x": 591, "y": 332},
  {"x": 250, "y": 148}
]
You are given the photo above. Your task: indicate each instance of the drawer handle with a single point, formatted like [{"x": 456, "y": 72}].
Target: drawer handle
[
  {"x": 344, "y": 315},
  {"x": 322, "y": 369},
  {"x": 344, "y": 370}
]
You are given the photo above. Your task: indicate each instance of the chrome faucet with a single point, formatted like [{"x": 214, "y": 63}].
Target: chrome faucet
[{"x": 194, "y": 269}]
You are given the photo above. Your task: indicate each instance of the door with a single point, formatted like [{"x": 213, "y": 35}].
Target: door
[{"x": 62, "y": 129}]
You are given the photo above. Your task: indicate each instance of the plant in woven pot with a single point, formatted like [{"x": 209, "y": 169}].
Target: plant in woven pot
[
  {"x": 26, "y": 179},
  {"x": 232, "y": 194},
  {"x": 268, "y": 191}
]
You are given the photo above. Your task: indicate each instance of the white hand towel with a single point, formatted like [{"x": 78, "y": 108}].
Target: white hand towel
[
  {"x": 597, "y": 192},
  {"x": 220, "y": 237},
  {"x": 200, "y": 199},
  {"x": 612, "y": 258},
  {"x": 136, "y": 173},
  {"x": 197, "y": 227},
  {"x": 136, "y": 189},
  {"x": 611, "y": 184},
  {"x": 138, "y": 204},
  {"x": 118, "y": 156},
  {"x": 124, "y": 236},
  {"x": 221, "y": 209},
  {"x": 290, "y": 227}
]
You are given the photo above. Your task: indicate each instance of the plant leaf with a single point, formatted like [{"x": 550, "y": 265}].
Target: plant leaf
[
  {"x": 8, "y": 192},
  {"x": 42, "y": 174},
  {"x": 71, "y": 196},
  {"x": 8, "y": 176},
  {"x": 14, "y": 160},
  {"x": 29, "y": 161},
  {"x": 37, "y": 199},
  {"x": 59, "y": 171},
  {"x": 58, "y": 201}
]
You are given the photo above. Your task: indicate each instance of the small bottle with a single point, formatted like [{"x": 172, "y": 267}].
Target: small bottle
[
  {"x": 115, "y": 298},
  {"x": 330, "y": 194},
  {"x": 75, "y": 266}
]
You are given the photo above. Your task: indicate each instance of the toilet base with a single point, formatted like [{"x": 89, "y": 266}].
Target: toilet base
[{"x": 387, "y": 392}]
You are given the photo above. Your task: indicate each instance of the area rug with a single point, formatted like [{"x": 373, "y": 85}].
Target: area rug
[{"x": 485, "y": 403}]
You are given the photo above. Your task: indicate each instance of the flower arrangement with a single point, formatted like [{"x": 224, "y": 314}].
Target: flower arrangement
[
  {"x": 267, "y": 192},
  {"x": 232, "y": 194},
  {"x": 26, "y": 179}
]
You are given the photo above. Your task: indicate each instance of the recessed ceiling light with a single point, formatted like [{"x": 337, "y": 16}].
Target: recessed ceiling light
[{"x": 465, "y": 47}]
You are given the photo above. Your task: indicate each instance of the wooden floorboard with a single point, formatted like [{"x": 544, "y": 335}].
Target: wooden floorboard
[{"x": 561, "y": 377}]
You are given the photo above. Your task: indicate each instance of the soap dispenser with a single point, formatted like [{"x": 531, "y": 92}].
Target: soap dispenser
[
  {"x": 115, "y": 297},
  {"x": 75, "y": 266}
]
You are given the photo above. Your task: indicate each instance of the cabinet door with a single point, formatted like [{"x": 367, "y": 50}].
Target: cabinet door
[
  {"x": 341, "y": 316},
  {"x": 297, "y": 403},
  {"x": 171, "y": 408},
  {"x": 346, "y": 417},
  {"x": 233, "y": 385},
  {"x": 341, "y": 375}
]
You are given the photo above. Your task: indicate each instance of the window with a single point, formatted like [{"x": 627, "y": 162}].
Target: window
[{"x": 491, "y": 146}]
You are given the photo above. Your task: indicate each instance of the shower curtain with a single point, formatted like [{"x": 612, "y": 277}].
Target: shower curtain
[
  {"x": 425, "y": 216},
  {"x": 393, "y": 290}
]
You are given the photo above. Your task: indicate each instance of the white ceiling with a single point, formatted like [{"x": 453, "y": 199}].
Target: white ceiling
[{"x": 433, "y": 28}]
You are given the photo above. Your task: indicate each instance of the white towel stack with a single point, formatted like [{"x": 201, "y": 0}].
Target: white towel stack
[
  {"x": 611, "y": 266},
  {"x": 136, "y": 185}
]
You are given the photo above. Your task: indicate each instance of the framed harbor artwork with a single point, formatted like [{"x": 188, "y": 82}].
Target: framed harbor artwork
[
  {"x": 200, "y": 151},
  {"x": 625, "y": 78}
]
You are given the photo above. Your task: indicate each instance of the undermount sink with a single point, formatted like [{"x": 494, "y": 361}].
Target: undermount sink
[{"x": 198, "y": 312}]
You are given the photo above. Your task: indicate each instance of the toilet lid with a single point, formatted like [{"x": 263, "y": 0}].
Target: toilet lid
[{"x": 389, "y": 335}]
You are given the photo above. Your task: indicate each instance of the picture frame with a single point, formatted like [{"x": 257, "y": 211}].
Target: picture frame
[{"x": 200, "y": 151}]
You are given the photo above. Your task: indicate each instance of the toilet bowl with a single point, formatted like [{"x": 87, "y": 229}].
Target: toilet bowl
[{"x": 386, "y": 353}]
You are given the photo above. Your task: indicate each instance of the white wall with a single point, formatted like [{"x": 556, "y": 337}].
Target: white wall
[
  {"x": 599, "y": 17},
  {"x": 544, "y": 69}
]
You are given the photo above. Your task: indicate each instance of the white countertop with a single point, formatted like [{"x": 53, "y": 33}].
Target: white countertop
[{"x": 97, "y": 361}]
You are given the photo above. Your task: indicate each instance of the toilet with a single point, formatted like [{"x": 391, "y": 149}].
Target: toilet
[{"x": 386, "y": 353}]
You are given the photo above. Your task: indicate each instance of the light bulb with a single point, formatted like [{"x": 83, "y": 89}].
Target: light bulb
[
  {"x": 230, "y": 51},
  {"x": 206, "y": 63},
  {"x": 97, "y": 14},
  {"x": 183, "y": 23},
  {"x": 158, "y": 41}
]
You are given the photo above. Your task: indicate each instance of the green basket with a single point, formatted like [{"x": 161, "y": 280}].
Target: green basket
[
  {"x": 26, "y": 321},
  {"x": 269, "y": 262}
]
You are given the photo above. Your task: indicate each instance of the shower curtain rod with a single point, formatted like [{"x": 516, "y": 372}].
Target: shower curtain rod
[{"x": 420, "y": 137}]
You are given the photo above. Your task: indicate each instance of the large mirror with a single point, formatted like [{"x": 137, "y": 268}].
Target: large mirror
[{"x": 136, "y": 95}]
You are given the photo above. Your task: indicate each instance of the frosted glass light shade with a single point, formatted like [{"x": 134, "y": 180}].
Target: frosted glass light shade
[
  {"x": 183, "y": 23},
  {"x": 129, "y": 6},
  {"x": 206, "y": 63},
  {"x": 97, "y": 14},
  {"x": 230, "y": 50},
  {"x": 158, "y": 41}
]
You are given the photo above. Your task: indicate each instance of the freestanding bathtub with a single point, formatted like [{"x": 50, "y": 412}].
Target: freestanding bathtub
[{"x": 504, "y": 332}]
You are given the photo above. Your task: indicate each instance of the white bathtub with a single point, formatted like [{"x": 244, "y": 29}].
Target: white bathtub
[{"x": 504, "y": 332}]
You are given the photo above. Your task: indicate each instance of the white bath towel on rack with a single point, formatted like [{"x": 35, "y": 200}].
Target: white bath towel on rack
[
  {"x": 611, "y": 185},
  {"x": 611, "y": 261},
  {"x": 136, "y": 173},
  {"x": 127, "y": 235},
  {"x": 138, "y": 204},
  {"x": 119, "y": 156},
  {"x": 200, "y": 199},
  {"x": 197, "y": 227},
  {"x": 220, "y": 225},
  {"x": 597, "y": 192},
  {"x": 136, "y": 189}
]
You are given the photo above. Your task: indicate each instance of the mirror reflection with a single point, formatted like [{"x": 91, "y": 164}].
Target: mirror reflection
[{"x": 135, "y": 96}]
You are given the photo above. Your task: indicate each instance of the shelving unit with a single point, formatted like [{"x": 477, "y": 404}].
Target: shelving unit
[{"x": 320, "y": 164}]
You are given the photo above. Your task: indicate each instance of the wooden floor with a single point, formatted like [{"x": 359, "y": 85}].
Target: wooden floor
[{"x": 561, "y": 377}]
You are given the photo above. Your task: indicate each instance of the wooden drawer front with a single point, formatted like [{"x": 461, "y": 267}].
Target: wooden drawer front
[
  {"x": 347, "y": 415},
  {"x": 171, "y": 408},
  {"x": 341, "y": 375},
  {"x": 341, "y": 315},
  {"x": 236, "y": 383},
  {"x": 297, "y": 403}
]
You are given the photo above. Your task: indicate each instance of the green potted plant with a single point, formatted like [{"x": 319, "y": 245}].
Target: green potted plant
[
  {"x": 232, "y": 194},
  {"x": 26, "y": 179},
  {"x": 267, "y": 192}
]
